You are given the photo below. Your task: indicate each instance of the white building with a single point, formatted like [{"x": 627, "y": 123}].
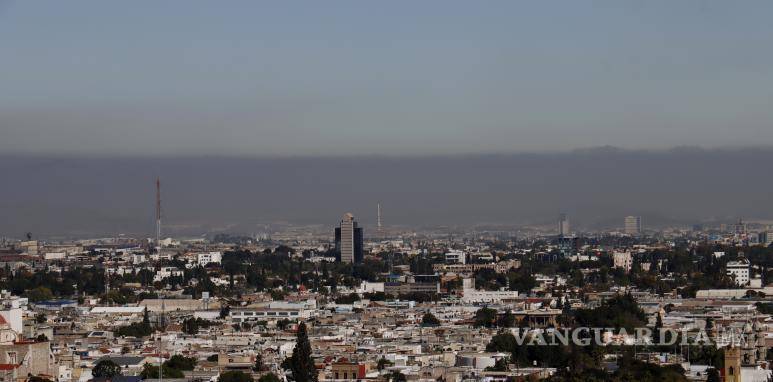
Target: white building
[
  {"x": 622, "y": 260},
  {"x": 370, "y": 287},
  {"x": 54, "y": 256},
  {"x": 475, "y": 296},
  {"x": 165, "y": 272},
  {"x": 210, "y": 257},
  {"x": 456, "y": 257},
  {"x": 739, "y": 270},
  {"x": 138, "y": 258},
  {"x": 470, "y": 295},
  {"x": 238, "y": 316},
  {"x": 13, "y": 316}
]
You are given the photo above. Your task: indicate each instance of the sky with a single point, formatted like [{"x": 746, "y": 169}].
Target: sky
[{"x": 305, "y": 78}]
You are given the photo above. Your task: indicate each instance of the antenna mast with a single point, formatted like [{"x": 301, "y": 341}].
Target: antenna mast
[
  {"x": 158, "y": 215},
  {"x": 380, "y": 232}
]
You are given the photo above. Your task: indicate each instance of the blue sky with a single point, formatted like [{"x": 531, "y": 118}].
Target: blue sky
[{"x": 396, "y": 77}]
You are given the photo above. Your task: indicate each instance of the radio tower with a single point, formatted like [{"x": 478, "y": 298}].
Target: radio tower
[
  {"x": 158, "y": 215},
  {"x": 379, "y": 230}
]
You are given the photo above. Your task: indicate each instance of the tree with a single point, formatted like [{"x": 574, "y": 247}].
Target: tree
[
  {"x": 40, "y": 293},
  {"x": 617, "y": 312},
  {"x": 225, "y": 311},
  {"x": 397, "y": 376},
  {"x": 301, "y": 363},
  {"x": 37, "y": 379},
  {"x": 507, "y": 320},
  {"x": 282, "y": 324},
  {"x": 485, "y": 317},
  {"x": 383, "y": 363},
  {"x": 180, "y": 362},
  {"x": 347, "y": 299},
  {"x": 106, "y": 369},
  {"x": 41, "y": 318},
  {"x": 235, "y": 376},
  {"x": 522, "y": 280},
  {"x": 429, "y": 319},
  {"x": 658, "y": 327},
  {"x": 502, "y": 342},
  {"x": 190, "y": 326},
  {"x": 258, "y": 363},
  {"x": 149, "y": 371},
  {"x": 270, "y": 377},
  {"x": 136, "y": 329}
]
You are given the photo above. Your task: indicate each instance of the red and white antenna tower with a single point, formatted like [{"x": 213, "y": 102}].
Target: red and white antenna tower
[{"x": 158, "y": 214}]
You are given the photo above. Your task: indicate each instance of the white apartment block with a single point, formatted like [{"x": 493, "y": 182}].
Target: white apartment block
[
  {"x": 622, "y": 260},
  {"x": 739, "y": 270},
  {"x": 165, "y": 272},
  {"x": 267, "y": 314},
  {"x": 456, "y": 257},
  {"x": 210, "y": 257}
]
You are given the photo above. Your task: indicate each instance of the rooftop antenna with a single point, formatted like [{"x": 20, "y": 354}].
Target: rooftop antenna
[{"x": 158, "y": 215}]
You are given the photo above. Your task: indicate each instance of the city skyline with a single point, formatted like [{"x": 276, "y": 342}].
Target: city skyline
[
  {"x": 402, "y": 191},
  {"x": 595, "y": 188}
]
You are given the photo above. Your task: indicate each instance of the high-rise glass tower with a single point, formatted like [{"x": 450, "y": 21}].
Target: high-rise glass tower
[{"x": 348, "y": 240}]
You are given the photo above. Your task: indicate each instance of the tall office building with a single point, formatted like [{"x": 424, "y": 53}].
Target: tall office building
[
  {"x": 563, "y": 225},
  {"x": 633, "y": 225},
  {"x": 348, "y": 240}
]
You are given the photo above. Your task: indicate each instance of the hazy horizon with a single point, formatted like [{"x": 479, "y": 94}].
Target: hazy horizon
[
  {"x": 67, "y": 195},
  {"x": 445, "y": 112}
]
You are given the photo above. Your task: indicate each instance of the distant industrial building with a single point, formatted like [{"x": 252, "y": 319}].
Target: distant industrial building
[{"x": 348, "y": 240}]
